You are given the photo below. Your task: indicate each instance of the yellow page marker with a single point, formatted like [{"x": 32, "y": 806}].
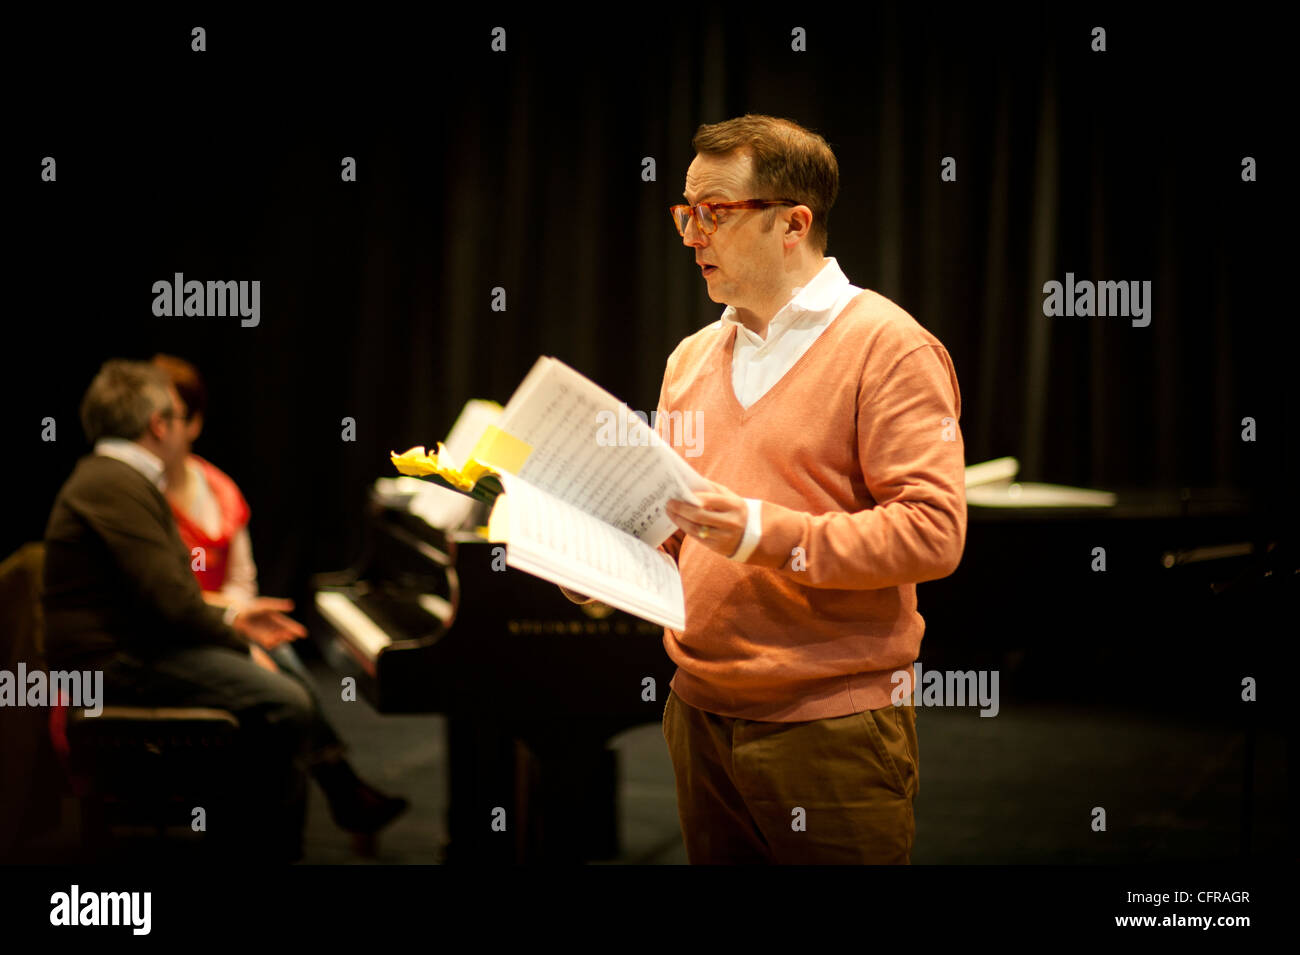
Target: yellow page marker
[{"x": 500, "y": 449}]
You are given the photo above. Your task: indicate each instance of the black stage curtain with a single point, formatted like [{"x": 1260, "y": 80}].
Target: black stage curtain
[{"x": 523, "y": 170}]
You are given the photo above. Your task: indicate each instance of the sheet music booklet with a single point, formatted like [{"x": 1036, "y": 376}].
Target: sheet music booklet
[{"x": 578, "y": 484}]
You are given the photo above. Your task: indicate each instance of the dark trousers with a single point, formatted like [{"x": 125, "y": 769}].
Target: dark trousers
[
  {"x": 321, "y": 737},
  {"x": 281, "y": 729},
  {"x": 831, "y": 791}
]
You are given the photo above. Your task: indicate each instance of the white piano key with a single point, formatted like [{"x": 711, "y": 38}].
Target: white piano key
[
  {"x": 436, "y": 606},
  {"x": 353, "y": 622}
]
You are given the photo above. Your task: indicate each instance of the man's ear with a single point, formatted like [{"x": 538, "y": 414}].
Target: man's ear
[
  {"x": 801, "y": 218},
  {"x": 157, "y": 425}
]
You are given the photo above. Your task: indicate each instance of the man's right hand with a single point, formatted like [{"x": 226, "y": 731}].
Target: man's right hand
[{"x": 262, "y": 621}]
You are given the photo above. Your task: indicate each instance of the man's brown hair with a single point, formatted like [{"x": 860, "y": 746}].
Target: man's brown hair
[
  {"x": 790, "y": 162},
  {"x": 122, "y": 398}
]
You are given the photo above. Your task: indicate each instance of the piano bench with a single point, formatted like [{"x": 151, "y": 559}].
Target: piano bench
[{"x": 148, "y": 765}]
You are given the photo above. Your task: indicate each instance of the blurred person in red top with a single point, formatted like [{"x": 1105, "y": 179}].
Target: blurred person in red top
[{"x": 212, "y": 517}]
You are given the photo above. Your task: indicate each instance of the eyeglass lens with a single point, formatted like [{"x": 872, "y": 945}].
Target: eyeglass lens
[{"x": 707, "y": 224}]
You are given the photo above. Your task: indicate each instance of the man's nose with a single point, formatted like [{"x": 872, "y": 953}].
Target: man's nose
[{"x": 693, "y": 236}]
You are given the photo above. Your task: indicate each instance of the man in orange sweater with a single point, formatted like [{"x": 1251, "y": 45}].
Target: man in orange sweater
[{"x": 834, "y": 444}]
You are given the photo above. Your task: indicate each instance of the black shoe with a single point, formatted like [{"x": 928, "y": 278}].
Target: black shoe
[
  {"x": 369, "y": 812},
  {"x": 355, "y": 805}
]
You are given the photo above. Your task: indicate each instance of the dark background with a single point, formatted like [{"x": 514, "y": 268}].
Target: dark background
[{"x": 523, "y": 170}]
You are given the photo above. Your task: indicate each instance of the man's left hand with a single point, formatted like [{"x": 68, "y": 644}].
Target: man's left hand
[{"x": 718, "y": 524}]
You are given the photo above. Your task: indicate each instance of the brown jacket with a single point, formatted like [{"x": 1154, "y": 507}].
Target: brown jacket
[{"x": 117, "y": 576}]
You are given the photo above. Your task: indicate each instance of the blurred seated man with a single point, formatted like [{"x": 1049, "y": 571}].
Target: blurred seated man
[
  {"x": 211, "y": 514},
  {"x": 119, "y": 597}
]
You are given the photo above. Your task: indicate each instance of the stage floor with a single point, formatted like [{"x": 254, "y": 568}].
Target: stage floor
[{"x": 1017, "y": 788}]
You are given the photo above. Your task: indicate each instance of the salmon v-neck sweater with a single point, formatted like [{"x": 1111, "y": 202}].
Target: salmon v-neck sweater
[{"x": 858, "y": 458}]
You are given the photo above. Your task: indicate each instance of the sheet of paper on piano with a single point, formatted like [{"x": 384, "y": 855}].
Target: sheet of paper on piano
[
  {"x": 554, "y": 540},
  {"x": 990, "y": 484}
]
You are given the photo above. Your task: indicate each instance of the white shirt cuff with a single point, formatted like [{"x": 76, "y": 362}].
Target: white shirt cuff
[
  {"x": 753, "y": 530},
  {"x": 231, "y": 613}
]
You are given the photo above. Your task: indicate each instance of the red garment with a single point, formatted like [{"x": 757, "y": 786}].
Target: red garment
[{"x": 234, "y": 515}]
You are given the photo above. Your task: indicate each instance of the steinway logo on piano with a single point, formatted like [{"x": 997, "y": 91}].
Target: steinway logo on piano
[{"x": 578, "y": 627}]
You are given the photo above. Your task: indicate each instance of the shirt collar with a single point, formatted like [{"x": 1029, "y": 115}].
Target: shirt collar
[
  {"x": 134, "y": 454},
  {"x": 819, "y": 295}
]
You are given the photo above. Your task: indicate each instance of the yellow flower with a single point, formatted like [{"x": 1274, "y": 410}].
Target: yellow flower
[
  {"x": 414, "y": 462},
  {"x": 417, "y": 463}
]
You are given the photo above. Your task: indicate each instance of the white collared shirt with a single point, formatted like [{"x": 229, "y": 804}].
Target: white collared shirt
[
  {"x": 134, "y": 454},
  {"x": 759, "y": 363}
]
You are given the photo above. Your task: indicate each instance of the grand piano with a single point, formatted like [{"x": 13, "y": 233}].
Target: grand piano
[{"x": 430, "y": 620}]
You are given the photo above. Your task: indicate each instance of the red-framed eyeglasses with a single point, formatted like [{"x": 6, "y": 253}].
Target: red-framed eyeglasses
[{"x": 706, "y": 213}]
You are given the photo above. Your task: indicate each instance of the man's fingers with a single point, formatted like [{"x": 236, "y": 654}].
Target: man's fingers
[
  {"x": 685, "y": 523},
  {"x": 291, "y": 625},
  {"x": 695, "y": 517},
  {"x": 708, "y": 500},
  {"x": 693, "y": 528},
  {"x": 689, "y": 511},
  {"x": 279, "y": 637},
  {"x": 273, "y": 617}
]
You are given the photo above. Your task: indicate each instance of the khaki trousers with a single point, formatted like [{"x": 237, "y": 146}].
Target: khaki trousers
[{"x": 832, "y": 791}]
